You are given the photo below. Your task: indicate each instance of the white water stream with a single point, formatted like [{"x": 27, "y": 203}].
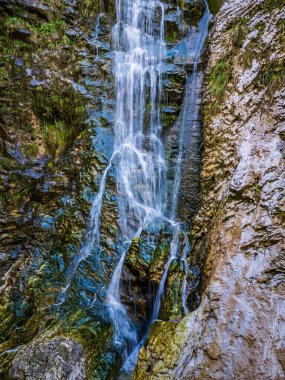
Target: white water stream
[
  {"x": 189, "y": 107},
  {"x": 141, "y": 168}
]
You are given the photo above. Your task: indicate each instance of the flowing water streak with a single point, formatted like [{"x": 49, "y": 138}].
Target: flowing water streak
[
  {"x": 188, "y": 108},
  {"x": 141, "y": 169},
  {"x": 97, "y": 31},
  {"x": 185, "y": 252},
  {"x": 92, "y": 238},
  {"x": 174, "y": 250},
  {"x": 190, "y": 99}
]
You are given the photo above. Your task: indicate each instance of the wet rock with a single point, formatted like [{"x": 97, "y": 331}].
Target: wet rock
[
  {"x": 159, "y": 260},
  {"x": 52, "y": 163},
  {"x": 38, "y": 8},
  {"x": 158, "y": 342},
  {"x": 138, "y": 258},
  {"x": 71, "y": 33},
  {"x": 171, "y": 304}
]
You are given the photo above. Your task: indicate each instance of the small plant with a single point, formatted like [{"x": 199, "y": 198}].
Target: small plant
[
  {"x": 57, "y": 26},
  {"x": 219, "y": 78},
  {"x": 273, "y": 78},
  {"x": 239, "y": 32},
  {"x": 257, "y": 190},
  {"x": 89, "y": 8},
  {"x": 54, "y": 136},
  {"x": 13, "y": 21},
  {"x": 61, "y": 114},
  {"x": 31, "y": 150},
  {"x": 47, "y": 29},
  {"x": 271, "y": 5},
  {"x": 67, "y": 41},
  {"x": 3, "y": 74}
]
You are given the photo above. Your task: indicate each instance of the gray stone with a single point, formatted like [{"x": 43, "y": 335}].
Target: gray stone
[{"x": 55, "y": 359}]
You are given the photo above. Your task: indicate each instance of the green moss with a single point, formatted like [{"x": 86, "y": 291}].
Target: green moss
[
  {"x": 219, "y": 79},
  {"x": 7, "y": 318},
  {"x": 160, "y": 257},
  {"x": 215, "y": 5},
  {"x": 61, "y": 115},
  {"x": 102, "y": 360},
  {"x": 30, "y": 150},
  {"x": 239, "y": 32},
  {"x": 271, "y": 5},
  {"x": 272, "y": 77},
  {"x": 172, "y": 32},
  {"x": 168, "y": 119},
  {"x": 160, "y": 344},
  {"x": 171, "y": 306}
]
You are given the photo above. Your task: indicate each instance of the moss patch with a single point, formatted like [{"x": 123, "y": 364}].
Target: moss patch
[
  {"x": 219, "y": 78},
  {"x": 215, "y": 5},
  {"x": 61, "y": 116}
]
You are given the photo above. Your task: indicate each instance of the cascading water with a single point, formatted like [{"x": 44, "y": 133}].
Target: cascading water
[
  {"x": 141, "y": 168},
  {"x": 190, "y": 106}
]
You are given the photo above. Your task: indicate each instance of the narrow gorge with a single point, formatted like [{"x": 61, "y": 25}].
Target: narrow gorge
[{"x": 142, "y": 189}]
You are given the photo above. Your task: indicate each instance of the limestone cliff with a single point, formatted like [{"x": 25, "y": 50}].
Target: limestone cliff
[{"x": 237, "y": 332}]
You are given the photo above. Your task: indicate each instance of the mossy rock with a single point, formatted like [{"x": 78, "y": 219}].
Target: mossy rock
[
  {"x": 157, "y": 265},
  {"x": 155, "y": 348},
  {"x": 138, "y": 258},
  {"x": 215, "y": 5},
  {"x": 171, "y": 304}
]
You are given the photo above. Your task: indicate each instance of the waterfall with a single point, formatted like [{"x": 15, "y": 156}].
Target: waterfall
[
  {"x": 189, "y": 113},
  {"x": 141, "y": 168},
  {"x": 138, "y": 38}
]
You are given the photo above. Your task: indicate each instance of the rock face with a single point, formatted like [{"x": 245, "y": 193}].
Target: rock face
[
  {"x": 56, "y": 359},
  {"x": 56, "y": 96},
  {"x": 237, "y": 332}
]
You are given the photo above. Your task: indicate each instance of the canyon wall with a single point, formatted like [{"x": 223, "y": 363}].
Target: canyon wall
[
  {"x": 237, "y": 332},
  {"x": 57, "y": 104}
]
